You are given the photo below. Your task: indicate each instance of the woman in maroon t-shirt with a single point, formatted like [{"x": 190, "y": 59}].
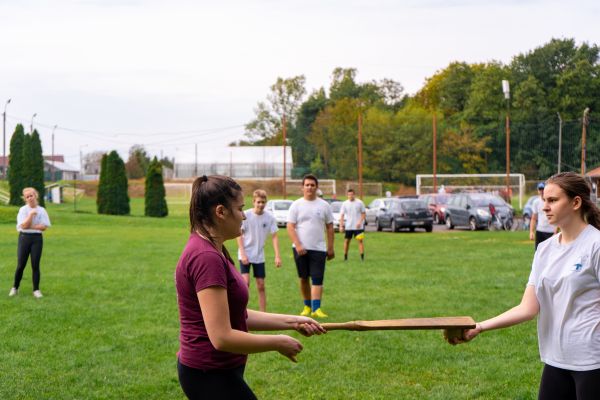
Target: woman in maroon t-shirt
[{"x": 212, "y": 298}]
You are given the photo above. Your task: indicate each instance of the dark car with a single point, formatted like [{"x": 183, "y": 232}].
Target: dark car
[
  {"x": 437, "y": 205},
  {"x": 473, "y": 211},
  {"x": 405, "y": 214}
]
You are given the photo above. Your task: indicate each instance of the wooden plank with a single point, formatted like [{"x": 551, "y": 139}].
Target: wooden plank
[{"x": 403, "y": 324}]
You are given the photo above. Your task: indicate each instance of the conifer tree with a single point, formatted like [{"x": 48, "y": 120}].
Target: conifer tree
[
  {"x": 155, "y": 202},
  {"x": 117, "y": 199},
  {"x": 102, "y": 186},
  {"x": 16, "y": 178},
  {"x": 36, "y": 180}
]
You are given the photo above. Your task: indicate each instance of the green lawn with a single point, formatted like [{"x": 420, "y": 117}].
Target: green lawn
[{"x": 107, "y": 327}]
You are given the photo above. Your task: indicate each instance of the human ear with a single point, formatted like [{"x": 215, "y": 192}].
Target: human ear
[
  {"x": 577, "y": 203},
  {"x": 220, "y": 211}
]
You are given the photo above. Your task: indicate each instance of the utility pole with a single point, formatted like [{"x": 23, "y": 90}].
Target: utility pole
[
  {"x": 31, "y": 126},
  {"x": 360, "y": 160},
  {"x": 585, "y": 123},
  {"x": 4, "y": 140},
  {"x": 434, "y": 153},
  {"x": 506, "y": 90},
  {"x": 283, "y": 179},
  {"x": 559, "y": 141}
]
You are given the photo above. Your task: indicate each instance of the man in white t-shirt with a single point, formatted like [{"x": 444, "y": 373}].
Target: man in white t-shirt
[
  {"x": 352, "y": 221},
  {"x": 308, "y": 218},
  {"x": 251, "y": 244},
  {"x": 540, "y": 229}
]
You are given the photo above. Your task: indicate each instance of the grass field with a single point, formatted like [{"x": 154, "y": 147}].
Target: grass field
[{"x": 107, "y": 327}]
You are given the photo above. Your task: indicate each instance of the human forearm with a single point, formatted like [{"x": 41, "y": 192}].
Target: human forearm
[
  {"x": 27, "y": 222},
  {"x": 291, "y": 229},
  {"x": 330, "y": 237},
  {"x": 525, "y": 311},
  {"x": 276, "y": 245},
  {"x": 262, "y": 321},
  {"x": 239, "y": 342}
]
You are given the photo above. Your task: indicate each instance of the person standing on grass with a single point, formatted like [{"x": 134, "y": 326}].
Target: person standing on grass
[
  {"x": 564, "y": 290},
  {"x": 212, "y": 298},
  {"x": 256, "y": 227},
  {"x": 32, "y": 220},
  {"x": 352, "y": 221},
  {"x": 308, "y": 219},
  {"x": 539, "y": 227}
]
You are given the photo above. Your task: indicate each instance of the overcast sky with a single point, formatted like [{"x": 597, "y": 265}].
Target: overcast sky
[{"x": 169, "y": 74}]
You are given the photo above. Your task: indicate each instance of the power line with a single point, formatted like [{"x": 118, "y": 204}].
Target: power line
[{"x": 89, "y": 131}]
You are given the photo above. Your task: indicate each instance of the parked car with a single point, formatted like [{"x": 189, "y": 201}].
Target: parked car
[
  {"x": 528, "y": 210},
  {"x": 473, "y": 210},
  {"x": 279, "y": 209},
  {"x": 374, "y": 209},
  {"x": 437, "y": 205},
  {"x": 336, "y": 207},
  {"x": 405, "y": 213}
]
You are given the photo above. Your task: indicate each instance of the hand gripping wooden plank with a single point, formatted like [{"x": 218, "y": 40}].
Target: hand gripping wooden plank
[{"x": 450, "y": 323}]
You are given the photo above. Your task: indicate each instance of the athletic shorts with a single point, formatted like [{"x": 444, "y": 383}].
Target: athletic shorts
[
  {"x": 349, "y": 234},
  {"x": 257, "y": 268},
  {"x": 311, "y": 264}
]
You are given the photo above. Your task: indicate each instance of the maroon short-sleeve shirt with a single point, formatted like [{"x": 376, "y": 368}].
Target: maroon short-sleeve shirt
[{"x": 201, "y": 266}]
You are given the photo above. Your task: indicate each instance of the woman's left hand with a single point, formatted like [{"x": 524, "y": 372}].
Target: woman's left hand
[{"x": 307, "y": 326}]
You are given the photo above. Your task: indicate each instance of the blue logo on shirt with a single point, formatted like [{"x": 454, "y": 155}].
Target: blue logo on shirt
[{"x": 578, "y": 267}]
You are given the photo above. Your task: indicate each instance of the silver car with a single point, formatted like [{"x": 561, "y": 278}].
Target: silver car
[{"x": 280, "y": 210}]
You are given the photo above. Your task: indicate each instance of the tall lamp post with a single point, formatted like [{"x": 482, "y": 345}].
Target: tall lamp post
[
  {"x": 506, "y": 90},
  {"x": 4, "y": 140},
  {"x": 31, "y": 126}
]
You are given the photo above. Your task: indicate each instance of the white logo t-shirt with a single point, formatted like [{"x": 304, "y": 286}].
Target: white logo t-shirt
[
  {"x": 311, "y": 217},
  {"x": 255, "y": 229}
]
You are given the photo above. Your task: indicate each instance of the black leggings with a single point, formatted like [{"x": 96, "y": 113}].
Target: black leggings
[
  {"x": 562, "y": 384},
  {"x": 29, "y": 243},
  {"x": 215, "y": 384}
]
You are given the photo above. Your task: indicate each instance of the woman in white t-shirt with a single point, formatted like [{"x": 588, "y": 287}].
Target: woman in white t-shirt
[
  {"x": 564, "y": 290},
  {"x": 32, "y": 220}
]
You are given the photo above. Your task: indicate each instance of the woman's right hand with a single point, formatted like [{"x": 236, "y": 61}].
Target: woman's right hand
[
  {"x": 467, "y": 335},
  {"x": 288, "y": 347}
]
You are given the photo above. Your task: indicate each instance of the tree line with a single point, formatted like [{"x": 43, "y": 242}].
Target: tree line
[
  {"x": 112, "y": 197},
  {"x": 26, "y": 169},
  {"x": 551, "y": 86}
]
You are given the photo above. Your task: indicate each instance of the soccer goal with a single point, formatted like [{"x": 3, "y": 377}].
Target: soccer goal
[
  {"x": 495, "y": 183},
  {"x": 369, "y": 188},
  {"x": 327, "y": 186}
]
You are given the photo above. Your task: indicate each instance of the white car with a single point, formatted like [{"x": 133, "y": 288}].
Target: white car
[
  {"x": 280, "y": 210},
  {"x": 336, "y": 207}
]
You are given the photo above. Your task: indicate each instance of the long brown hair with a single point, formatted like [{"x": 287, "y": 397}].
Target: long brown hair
[
  {"x": 575, "y": 185},
  {"x": 207, "y": 193}
]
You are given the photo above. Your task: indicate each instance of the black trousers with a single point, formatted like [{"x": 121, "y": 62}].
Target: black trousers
[
  {"x": 214, "y": 385},
  {"x": 29, "y": 244},
  {"x": 562, "y": 384}
]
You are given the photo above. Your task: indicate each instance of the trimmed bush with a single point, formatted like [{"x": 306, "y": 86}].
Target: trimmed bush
[
  {"x": 112, "y": 196},
  {"x": 155, "y": 202}
]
